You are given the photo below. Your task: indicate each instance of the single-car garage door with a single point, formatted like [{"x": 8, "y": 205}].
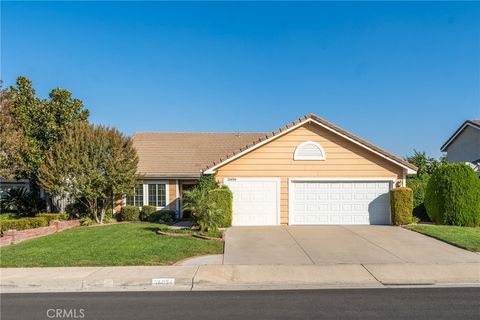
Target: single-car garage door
[
  {"x": 255, "y": 201},
  {"x": 339, "y": 202}
]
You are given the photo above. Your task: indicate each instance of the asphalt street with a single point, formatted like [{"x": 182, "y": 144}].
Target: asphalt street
[{"x": 384, "y": 303}]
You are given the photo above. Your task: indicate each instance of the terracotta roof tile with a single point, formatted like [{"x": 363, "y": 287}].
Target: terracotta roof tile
[{"x": 184, "y": 154}]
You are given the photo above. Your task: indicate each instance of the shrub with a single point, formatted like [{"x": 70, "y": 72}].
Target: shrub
[
  {"x": 418, "y": 184},
  {"x": 223, "y": 198},
  {"x": 108, "y": 218},
  {"x": 164, "y": 216},
  {"x": 53, "y": 216},
  {"x": 23, "y": 224},
  {"x": 146, "y": 212},
  {"x": 8, "y": 216},
  {"x": 24, "y": 202},
  {"x": 130, "y": 213},
  {"x": 76, "y": 209},
  {"x": 207, "y": 182},
  {"x": 453, "y": 195},
  {"x": 86, "y": 221},
  {"x": 401, "y": 206}
]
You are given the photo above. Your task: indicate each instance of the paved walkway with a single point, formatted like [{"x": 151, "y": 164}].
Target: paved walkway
[
  {"x": 234, "y": 277},
  {"x": 307, "y": 245}
]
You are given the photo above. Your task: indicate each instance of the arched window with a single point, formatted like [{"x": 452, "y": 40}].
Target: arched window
[{"x": 309, "y": 151}]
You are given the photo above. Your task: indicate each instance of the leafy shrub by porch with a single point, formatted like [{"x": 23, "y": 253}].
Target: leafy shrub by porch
[
  {"x": 130, "y": 213},
  {"x": 162, "y": 215},
  {"x": 418, "y": 184},
  {"x": 22, "y": 224},
  {"x": 146, "y": 212},
  {"x": 401, "y": 204},
  {"x": 223, "y": 199},
  {"x": 453, "y": 195},
  {"x": 53, "y": 216}
]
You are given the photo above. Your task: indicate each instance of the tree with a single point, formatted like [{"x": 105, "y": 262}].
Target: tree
[
  {"x": 425, "y": 164},
  {"x": 34, "y": 126},
  {"x": 91, "y": 164},
  {"x": 12, "y": 146}
]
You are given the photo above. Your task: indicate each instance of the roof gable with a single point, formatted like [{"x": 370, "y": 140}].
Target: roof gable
[
  {"x": 469, "y": 123},
  {"x": 311, "y": 118}
]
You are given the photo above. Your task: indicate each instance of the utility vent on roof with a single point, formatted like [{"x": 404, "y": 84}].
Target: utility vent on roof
[{"x": 309, "y": 151}]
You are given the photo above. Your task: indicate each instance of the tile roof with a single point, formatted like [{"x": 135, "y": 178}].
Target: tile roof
[
  {"x": 325, "y": 123},
  {"x": 184, "y": 154},
  {"x": 188, "y": 154}
]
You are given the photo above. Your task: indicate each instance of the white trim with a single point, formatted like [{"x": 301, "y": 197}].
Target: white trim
[
  {"x": 322, "y": 179},
  {"x": 449, "y": 141},
  {"x": 177, "y": 199},
  {"x": 275, "y": 179},
  {"x": 212, "y": 169},
  {"x": 298, "y": 158},
  {"x": 145, "y": 192},
  {"x": 383, "y": 179}
]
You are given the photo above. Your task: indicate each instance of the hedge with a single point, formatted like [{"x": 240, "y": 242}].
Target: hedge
[
  {"x": 418, "y": 184},
  {"x": 130, "y": 213},
  {"x": 453, "y": 195},
  {"x": 401, "y": 206},
  {"x": 164, "y": 216},
  {"x": 146, "y": 212},
  {"x": 223, "y": 198},
  {"x": 53, "y": 216},
  {"x": 23, "y": 224}
]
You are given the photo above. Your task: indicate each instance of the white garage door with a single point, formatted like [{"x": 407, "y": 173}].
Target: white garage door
[
  {"x": 339, "y": 202},
  {"x": 255, "y": 201}
]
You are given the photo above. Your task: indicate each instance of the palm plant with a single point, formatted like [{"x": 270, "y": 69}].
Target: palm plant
[{"x": 205, "y": 212}]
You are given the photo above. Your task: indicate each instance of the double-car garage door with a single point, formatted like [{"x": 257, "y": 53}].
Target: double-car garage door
[{"x": 256, "y": 201}]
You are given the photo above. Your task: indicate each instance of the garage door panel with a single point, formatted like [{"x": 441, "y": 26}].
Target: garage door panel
[
  {"x": 348, "y": 202},
  {"x": 255, "y": 202}
]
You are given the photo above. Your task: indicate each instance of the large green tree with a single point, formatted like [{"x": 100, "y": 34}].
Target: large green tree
[
  {"x": 12, "y": 146},
  {"x": 33, "y": 126},
  {"x": 91, "y": 164}
]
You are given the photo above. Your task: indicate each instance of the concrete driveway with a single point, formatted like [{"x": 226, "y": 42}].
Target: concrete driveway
[{"x": 303, "y": 245}]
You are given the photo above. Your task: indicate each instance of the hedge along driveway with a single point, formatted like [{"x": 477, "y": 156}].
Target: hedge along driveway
[{"x": 110, "y": 245}]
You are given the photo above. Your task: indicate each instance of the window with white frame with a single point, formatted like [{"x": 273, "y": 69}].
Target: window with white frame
[
  {"x": 157, "y": 194},
  {"x": 309, "y": 151},
  {"x": 137, "y": 198}
]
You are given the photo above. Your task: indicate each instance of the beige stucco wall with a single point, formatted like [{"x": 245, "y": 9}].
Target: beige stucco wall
[
  {"x": 275, "y": 159},
  {"x": 465, "y": 147}
]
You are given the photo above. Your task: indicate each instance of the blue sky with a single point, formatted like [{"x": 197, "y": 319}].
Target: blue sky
[{"x": 401, "y": 75}]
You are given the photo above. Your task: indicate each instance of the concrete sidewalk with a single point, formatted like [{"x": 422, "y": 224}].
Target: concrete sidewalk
[{"x": 236, "y": 277}]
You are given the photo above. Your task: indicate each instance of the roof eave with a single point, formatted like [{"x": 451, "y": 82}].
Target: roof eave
[
  {"x": 296, "y": 124},
  {"x": 457, "y": 132}
]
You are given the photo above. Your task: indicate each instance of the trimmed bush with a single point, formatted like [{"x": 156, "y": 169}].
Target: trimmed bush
[
  {"x": 53, "y": 216},
  {"x": 401, "y": 206},
  {"x": 146, "y": 212},
  {"x": 223, "y": 199},
  {"x": 164, "y": 216},
  {"x": 453, "y": 195},
  {"x": 22, "y": 224},
  {"x": 8, "y": 216},
  {"x": 130, "y": 213},
  {"x": 418, "y": 184}
]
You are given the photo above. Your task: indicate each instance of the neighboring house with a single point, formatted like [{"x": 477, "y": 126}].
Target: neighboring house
[
  {"x": 464, "y": 145},
  {"x": 307, "y": 172}
]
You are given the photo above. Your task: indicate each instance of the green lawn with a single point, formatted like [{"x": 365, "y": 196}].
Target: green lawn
[
  {"x": 110, "y": 245},
  {"x": 463, "y": 237}
]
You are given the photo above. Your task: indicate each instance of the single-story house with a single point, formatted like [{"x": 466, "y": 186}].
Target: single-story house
[
  {"x": 306, "y": 173},
  {"x": 464, "y": 145}
]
